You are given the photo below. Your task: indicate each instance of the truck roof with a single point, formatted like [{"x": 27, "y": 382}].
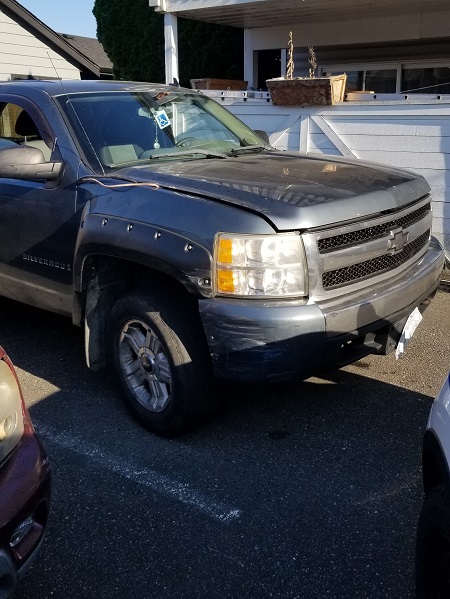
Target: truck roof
[{"x": 57, "y": 87}]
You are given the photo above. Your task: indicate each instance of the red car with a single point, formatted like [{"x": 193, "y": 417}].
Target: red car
[{"x": 24, "y": 482}]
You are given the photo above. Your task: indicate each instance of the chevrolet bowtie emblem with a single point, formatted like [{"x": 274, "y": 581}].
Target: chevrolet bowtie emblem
[{"x": 396, "y": 240}]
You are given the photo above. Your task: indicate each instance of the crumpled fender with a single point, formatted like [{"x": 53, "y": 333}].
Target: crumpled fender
[{"x": 113, "y": 227}]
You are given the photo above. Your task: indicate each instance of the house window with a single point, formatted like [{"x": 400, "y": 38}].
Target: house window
[
  {"x": 434, "y": 80},
  {"x": 389, "y": 79},
  {"x": 15, "y": 77},
  {"x": 379, "y": 80}
]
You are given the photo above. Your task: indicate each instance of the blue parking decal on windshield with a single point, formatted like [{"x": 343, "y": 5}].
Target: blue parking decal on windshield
[{"x": 162, "y": 119}]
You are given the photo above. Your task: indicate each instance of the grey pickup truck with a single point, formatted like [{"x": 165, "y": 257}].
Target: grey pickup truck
[{"x": 190, "y": 250}]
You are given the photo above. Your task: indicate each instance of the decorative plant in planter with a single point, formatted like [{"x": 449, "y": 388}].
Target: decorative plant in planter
[{"x": 306, "y": 91}]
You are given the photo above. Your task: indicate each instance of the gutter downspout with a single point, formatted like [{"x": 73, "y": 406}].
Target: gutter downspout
[{"x": 170, "y": 40}]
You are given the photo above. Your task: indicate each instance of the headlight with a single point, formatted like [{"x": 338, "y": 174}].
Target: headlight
[
  {"x": 11, "y": 419},
  {"x": 260, "y": 265}
]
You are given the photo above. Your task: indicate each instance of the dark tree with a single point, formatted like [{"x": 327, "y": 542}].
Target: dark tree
[{"x": 133, "y": 37}]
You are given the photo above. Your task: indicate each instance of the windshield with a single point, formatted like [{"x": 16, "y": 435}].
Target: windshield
[{"x": 130, "y": 127}]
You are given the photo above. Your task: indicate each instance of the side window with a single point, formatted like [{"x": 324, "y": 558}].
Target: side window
[
  {"x": 16, "y": 126},
  {"x": 8, "y": 117}
]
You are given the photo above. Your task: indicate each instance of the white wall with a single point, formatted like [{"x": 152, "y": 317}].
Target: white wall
[{"x": 22, "y": 54}]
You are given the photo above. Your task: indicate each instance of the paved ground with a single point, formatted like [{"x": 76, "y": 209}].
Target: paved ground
[{"x": 310, "y": 490}]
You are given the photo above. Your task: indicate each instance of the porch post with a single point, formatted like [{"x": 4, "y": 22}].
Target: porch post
[
  {"x": 250, "y": 64},
  {"x": 171, "y": 46}
]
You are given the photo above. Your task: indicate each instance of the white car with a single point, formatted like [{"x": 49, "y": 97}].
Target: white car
[{"x": 433, "y": 534}]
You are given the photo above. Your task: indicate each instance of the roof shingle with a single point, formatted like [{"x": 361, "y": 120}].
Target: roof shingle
[{"x": 92, "y": 49}]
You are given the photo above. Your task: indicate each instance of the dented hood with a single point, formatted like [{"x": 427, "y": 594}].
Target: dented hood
[{"x": 292, "y": 191}]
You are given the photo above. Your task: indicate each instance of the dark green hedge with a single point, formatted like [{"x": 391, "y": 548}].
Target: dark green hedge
[{"x": 133, "y": 37}]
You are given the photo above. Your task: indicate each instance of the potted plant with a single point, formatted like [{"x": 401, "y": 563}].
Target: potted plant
[{"x": 306, "y": 91}]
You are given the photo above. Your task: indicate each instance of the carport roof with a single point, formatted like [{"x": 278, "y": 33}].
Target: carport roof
[{"x": 270, "y": 13}]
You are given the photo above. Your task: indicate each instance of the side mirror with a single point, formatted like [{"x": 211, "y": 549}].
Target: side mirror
[
  {"x": 26, "y": 162},
  {"x": 263, "y": 135}
]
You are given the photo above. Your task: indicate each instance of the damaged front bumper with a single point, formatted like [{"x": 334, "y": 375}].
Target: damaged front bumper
[{"x": 258, "y": 340}]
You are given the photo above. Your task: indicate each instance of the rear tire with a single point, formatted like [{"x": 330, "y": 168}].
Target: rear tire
[
  {"x": 433, "y": 546},
  {"x": 160, "y": 361}
]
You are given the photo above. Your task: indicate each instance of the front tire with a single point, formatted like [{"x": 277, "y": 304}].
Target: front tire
[
  {"x": 159, "y": 358},
  {"x": 433, "y": 546}
]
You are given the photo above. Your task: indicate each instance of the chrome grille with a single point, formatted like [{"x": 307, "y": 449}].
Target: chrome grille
[
  {"x": 331, "y": 243},
  {"x": 346, "y": 257},
  {"x": 356, "y": 272}
]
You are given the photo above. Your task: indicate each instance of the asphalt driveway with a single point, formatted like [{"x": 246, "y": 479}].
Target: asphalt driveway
[{"x": 310, "y": 490}]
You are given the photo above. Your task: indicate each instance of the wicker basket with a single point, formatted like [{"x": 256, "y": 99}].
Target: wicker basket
[{"x": 302, "y": 91}]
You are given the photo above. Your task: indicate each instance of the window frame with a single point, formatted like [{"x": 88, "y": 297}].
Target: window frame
[{"x": 385, "y": 65}]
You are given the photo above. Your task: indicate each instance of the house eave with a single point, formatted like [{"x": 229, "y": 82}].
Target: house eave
[
  {"x": 250, "y": 14},
  {"x": 47, "y": 36}
]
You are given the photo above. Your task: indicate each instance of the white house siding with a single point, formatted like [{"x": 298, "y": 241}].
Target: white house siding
[
  {"x": 411, "y": 134},
  {"x": 22, "y": 54}
]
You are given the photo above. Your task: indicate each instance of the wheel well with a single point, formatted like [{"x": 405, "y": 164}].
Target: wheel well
[{"x": 104, "y": 280}]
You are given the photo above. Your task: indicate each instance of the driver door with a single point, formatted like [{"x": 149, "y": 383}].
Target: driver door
[{"x": 38, "y": 225}]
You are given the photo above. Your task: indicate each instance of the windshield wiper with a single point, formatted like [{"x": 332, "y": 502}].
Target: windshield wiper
[
  {"x": 193, "y": 152},
  {"x": 255, "y": 148}
]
